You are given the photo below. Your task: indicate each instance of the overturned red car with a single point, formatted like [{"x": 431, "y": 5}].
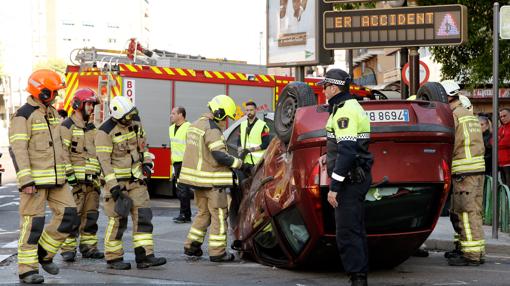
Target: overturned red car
[{"x": 284, "y": 219}]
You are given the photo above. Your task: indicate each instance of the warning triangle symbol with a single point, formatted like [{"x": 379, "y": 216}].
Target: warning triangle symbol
[{"x": 448, "y": 26}]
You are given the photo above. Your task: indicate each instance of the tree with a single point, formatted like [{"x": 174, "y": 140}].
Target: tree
[{"x": 471, "y": 63}]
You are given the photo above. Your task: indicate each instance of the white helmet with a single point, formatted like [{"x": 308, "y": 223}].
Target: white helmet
[
  {"x": 120, "y": 106},
  {"x": 464, "y": 100},
  {"x": 451, "y": 87}
]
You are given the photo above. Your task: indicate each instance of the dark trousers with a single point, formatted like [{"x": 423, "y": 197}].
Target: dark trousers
[
  {"x": 351, "y": 236},
  {"x": 505, "y": 174},
  {"x": 183, "y": 192}
]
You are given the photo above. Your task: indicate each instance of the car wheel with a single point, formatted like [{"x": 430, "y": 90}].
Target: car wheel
[
  {"x": 432, "y": 91},
  {"x": 294, "y": 95}
]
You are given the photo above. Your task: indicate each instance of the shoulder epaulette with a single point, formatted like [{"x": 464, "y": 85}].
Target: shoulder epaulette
[
  {"x": 213, "y": 125},
  {"x": 67, "y": 123},
  {"x": 26, "y": 110},
  {"x": 108, "y": 125}
]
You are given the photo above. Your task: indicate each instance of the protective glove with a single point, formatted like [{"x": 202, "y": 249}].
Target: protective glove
[
  {"x": 243, "y": 153},
  {"x": 147, "y": 170},
  {"x": 123, "y": 205},
  {"x": 116, "y": 192},
  {"x": 246, "y": 168},
  {"x": 71, "y": 179}
]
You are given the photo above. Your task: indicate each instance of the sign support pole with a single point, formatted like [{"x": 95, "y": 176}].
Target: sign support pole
[
  {"x": 300, "y": 73},
  {"x": 404, "y": 90},
  {"x": 414, "y": 70},
  {"x": 495, "y": 118}
]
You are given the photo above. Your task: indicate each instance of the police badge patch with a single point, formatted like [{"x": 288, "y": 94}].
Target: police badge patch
[{"x": 343, "y": 122}]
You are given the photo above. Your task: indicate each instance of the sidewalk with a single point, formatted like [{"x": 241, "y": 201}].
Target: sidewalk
[{"x": 441, "y": 239}]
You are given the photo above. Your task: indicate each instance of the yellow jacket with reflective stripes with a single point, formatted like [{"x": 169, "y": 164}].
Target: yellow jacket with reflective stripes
[
  {"x": 199, "y": 166},
  {"x": 254, "y": 139},
  {"x": 468, "y": 148},
  {"x": 79, "y": 149},
  {"x": 178, "y": 141},
  {"x": 35, "y": 146},
  {"x": 121, "y": 151}
]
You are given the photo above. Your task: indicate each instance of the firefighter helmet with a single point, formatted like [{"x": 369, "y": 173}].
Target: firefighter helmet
[
  {"x": 44, "y": 84},
  {"x": 336, "y": 77},
  {"x": 120, "y": 106},
  {"x": 451, "y": 87},
  {"x": 222, "y": 106},
  {"x": 464, "y": 100},
  {"x": 83, "y": 95}
]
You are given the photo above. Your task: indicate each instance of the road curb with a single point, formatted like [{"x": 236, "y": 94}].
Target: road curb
[{"x": 446, "y": 245}]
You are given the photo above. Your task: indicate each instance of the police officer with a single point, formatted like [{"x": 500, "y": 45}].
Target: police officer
[
  {"x": 177, "y": 134},
  {"x": 468, "y": 166},
  {"x": 206, "y": 168},
  {"x": 254, "y": 137},
  {"x": 349, "y": 163},
  {"x": 122, "y": 152},
  {"x": 82, "y": 167},
  {"x": 36, "y": 151}
]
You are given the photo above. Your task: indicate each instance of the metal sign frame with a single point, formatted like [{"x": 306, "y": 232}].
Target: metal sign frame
[
  {"x": 504, "y": 33},
  {"x": 394, "y": 28}
]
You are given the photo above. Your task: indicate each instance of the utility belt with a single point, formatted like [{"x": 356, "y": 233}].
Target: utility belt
[{"x": 356, "y": 176}]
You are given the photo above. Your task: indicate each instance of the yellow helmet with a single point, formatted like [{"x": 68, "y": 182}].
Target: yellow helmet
[{"x": 222, "y": 106}]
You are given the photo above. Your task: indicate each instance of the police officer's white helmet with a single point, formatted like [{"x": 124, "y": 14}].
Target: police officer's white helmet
[
  {"x": 464, "y": 100},
  {"x": 451, "y": 87},
  {"x": 120, "y": 106}
]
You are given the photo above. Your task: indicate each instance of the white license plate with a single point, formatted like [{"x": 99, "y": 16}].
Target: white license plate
[{"x": 389, "y": 115}]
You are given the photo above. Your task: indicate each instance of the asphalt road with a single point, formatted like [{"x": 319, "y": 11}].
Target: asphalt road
[{"x": 181, "y": 270}]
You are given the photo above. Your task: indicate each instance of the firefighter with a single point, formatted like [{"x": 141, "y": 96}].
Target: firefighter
[
  {"x": 82, "y": 167},
  {"x": 254, "y": 137},
  {"x": 468, "y": 168},
  {"x": 177, "y": 134},
  {"x": 122, "y": 152},
  {"x": 36, "y": 152},
  {"x": 349, "y": 163},
  {"x": 206, "y": 168}
]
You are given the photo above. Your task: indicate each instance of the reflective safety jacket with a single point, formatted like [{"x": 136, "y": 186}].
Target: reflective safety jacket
[
  {"x": 79, "y": 149},
  {"x": 468, "y": 149},
  {"x": 253, "y": 139},
  {"x": 35, "y": 146},
  {"x": 206, "y": 163},
  {"x": 348, "y": 132},
  {"x": 178, "y": 141},
  {"x": 121, "y": 151}
]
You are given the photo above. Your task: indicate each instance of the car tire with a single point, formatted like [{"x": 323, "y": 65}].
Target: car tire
[
  {"x": 432, "y": 91},
  {"x": 294, "y": 95}
]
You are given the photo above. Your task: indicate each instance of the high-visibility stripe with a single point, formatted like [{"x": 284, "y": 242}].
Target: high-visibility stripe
[
  {"x": 111, "y": 245},
  {"x": 48, "y": 243},
  {"x": 230, "y": 75},
  {"x": 19, "y": 136},
  {"x": 131, "y": 68},
  {"x": 196, "y": 238},
  {"x": 221, "y": 217},
  {"x": 142, "y": 239},
  {"x": 181, "y": 72},
  {"x": 78, "y": 132},
  {"x": 217, "y": 237},
  {"x": 197, "y": 231},
  {"x": 264, "y": 78},
  {"x": 216, "y": 144},
  {"x": 218, "y": 181},
  {"x": 110, "y": 177},
  {"x": 70, "y": 242},
  {"x": 217, "y": 243},
  {"x": 218, "y": 75},
  {"x": 104, "y": 149},
  {"x": 467, "y": 226},
  {"x": 169, "y": 71},
  {"x": 156, "y": 70},
  {"x": 123, "y": 137},
  {"x": 206, "y": 174},
  {"x": 88, "y": 239}
]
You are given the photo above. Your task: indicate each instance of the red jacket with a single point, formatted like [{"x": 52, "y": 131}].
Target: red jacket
[{"x": 504, "y": 145}]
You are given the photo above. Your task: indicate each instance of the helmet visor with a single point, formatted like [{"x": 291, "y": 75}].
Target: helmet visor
[{"x": 130, "y": 115}]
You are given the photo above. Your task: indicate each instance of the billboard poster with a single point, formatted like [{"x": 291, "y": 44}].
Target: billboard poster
[{"x": 293, "y": 31}]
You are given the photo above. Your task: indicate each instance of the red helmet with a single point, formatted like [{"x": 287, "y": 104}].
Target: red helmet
[
  {"x": 83, "y": 95},
  {"x": 43, "y": 84}
]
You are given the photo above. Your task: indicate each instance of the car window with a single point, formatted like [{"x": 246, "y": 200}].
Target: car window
[
  {"x": 266, "y": 243},
  {"x": 232, "y": 141}
]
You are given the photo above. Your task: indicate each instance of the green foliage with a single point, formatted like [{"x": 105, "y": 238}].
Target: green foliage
[
  {"x": 471, "y": 63},
  {"x": 351, "y": 6}
]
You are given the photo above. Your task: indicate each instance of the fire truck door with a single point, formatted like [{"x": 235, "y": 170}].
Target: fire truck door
[{"x": 194, "y": 96}]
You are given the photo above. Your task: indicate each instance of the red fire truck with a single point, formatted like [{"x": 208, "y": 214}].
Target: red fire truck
[{"x": 158, "y": 85}]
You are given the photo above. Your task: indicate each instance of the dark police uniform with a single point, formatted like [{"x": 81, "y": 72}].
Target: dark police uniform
[{"x": 349, "y": 163}]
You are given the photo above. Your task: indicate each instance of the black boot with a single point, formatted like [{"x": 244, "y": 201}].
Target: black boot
[
  {"x": 118, "y": 264},
  {"x": 462, "y": 261},
  {"x": 359, "y": 279},
  {"x": 452, "y": 253},
  {"x": 420, "y": 252},
  {"x": 31, "y": 277},
  {"x": 50, "y": 267},
  {"x": 150, "y": 261},
  {"x": 69, "y": 256},
  {"x": 225, "y": 257},
  {"x": 194, "y": 250},
  {"x": 92, "y": 253},
  {"x": 182, "y": 219}
]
